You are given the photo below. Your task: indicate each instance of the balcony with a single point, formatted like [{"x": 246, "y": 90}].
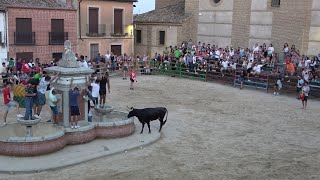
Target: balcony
[
  {"x": 24, "y": 38},
  {"x": 119, "y": 31},
  {"x": 57, "y": 38},
  {"x": 96, "y": 31}
]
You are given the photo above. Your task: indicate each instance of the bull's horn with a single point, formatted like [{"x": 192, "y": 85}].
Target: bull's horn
[{"x": 128, "y": 108}]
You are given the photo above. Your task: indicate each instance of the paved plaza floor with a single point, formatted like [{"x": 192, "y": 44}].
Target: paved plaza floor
[{"x": 213, "y": 132}]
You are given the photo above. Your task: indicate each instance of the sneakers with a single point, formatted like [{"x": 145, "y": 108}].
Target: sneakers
[
  {"x": 20, "y": 116},
  {"x": 4, "y": 123},
  {"x": 77, "y": 126},
  {"x": 86, "y": 98},
  {"x": 72, "y": 127},
  {"x": 36, "y": 116}
]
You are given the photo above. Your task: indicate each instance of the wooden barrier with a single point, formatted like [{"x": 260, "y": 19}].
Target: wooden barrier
[{"x": 255, "y": 81}]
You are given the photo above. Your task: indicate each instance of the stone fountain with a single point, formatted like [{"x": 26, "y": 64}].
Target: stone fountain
[{"x": 43, "y": 138}]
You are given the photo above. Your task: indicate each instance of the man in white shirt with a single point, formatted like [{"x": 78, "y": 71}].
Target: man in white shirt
[
  {"x": 83, "y": 63},
  {"x": 108, "y": 57},
  {"x": 225, "y": 66},
  {"x": 270, "y": 50},
  {"x": 257, "y": 69},
  {"x": 255, "y": 48},
  {"x": 95, "y": 91}
]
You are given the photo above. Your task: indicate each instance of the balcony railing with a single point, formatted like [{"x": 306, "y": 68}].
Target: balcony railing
[
  {"x": 96, "y": 31},
  {"x": 119, "y": 30},
  {"x": 24, "y": 38},
  {"x": 57, "y": 38}
]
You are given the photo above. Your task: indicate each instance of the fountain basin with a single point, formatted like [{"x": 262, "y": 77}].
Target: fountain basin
[{"x": 48, "y": 138}]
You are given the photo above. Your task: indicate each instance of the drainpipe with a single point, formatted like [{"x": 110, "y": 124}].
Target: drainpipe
[{"x": 80, "y": 20}]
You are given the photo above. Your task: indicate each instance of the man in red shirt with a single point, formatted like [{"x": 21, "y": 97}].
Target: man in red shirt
[{"x": 8, "y": 101}]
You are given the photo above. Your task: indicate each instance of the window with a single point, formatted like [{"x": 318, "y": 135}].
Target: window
[
  {"x": 275, "y": 3},
  {"x": 118, "y": 21},
  {"x": 116, "y": 49},
  {"x": 24, "y": 34},
  {"x": 94, "y": 50},
  {"x": 57, "y": 34},
  {"x": 138, "y": 36},
  {"x": 93, "y": 20},
  {"x": 162, "y": 37}
]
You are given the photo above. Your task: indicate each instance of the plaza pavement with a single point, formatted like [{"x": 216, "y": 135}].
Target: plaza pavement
[{"x": 75, "y": 154}]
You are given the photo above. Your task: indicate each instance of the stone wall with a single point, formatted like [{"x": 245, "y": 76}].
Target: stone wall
[
  {"x": 240, "y": 24},
  {"x": 151, "y": 37},
  {"x": 215, "y": 22}
]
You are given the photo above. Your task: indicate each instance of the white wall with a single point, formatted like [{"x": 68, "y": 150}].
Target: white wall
[{"x": 3, "y": 30}]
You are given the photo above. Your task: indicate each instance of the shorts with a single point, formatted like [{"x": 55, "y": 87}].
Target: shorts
[
  {"x": 103, "y": 91},
  {"x": 54, "y": 110},
  {"x": 305, "y": 98},
  {"x": 10, "y": 105},
  {"x": 74, "y": 110},
  {"x": 125, "y": 68},
  {"x": 132, "y": 80},
  {"x": 249, "y": 70},
  {"x": 40, "y": 99}
]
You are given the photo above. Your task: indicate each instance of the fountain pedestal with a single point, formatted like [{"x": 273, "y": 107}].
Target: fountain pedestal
[
  {"x": 28, "y": 124},
  {"x": 103, "y": 112}
]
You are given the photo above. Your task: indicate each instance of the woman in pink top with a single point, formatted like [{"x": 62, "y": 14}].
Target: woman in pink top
[{"x": 133, "y": 77}]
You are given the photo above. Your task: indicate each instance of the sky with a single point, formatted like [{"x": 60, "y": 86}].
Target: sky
[{"x": 143, "y": 6}]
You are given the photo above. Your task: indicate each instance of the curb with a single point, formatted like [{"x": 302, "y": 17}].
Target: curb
[{"x": 85, "y": 159}]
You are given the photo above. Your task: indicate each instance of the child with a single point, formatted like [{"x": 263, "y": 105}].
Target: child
[
  {"x": 133, "y": 77},
  {"x": 74, "y": 106},
  {"x": 305, "y": 94},
  {"x": 278, "y": 86},
  {"x": 9, "y": 103},
  {"x": 90, "y": 111},
  {"x": 53, "y": 101}
]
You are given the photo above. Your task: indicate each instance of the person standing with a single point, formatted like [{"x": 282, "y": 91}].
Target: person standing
[
  {"x": 9, "y": 103},
  {"x": 74, "y": 106},
  {"x": 305, "y": 94},
  {"x": 95, "y": 91},
  {"x": 28, "y": 99},
  {"x": 104, "y": 82},
  {"x": 41, "y": 93},
  {"x": 53, "y": 102},
  {"x": 133, "y": 77},
  {"x": 299, "y": 86}
]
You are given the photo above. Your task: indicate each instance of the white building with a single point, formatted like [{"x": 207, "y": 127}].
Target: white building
[{"x": 3, "y": 36}]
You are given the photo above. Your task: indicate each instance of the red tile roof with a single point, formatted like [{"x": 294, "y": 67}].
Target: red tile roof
[{"x": 31, "y": 4}]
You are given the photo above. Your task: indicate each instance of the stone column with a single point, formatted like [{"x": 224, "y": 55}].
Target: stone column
[{"x": 66, "y": 108}]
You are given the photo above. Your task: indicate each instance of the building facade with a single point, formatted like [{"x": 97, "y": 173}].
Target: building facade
[
  {"x": 105, "y": 26},
  {"x": 244, "y": 23},
  {"x": 39, "y": 30},
  {"x": 161, "y": 28},
  {"x": 3, "y": 36}
]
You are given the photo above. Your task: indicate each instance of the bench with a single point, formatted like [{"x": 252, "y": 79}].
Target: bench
[{"x": 258, "y": 82}]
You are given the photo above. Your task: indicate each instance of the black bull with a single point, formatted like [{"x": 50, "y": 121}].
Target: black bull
[{"x": 149, "y": 114}]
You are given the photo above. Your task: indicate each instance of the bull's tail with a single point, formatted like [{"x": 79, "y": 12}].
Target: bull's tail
[{"x": 164, "y": 122}]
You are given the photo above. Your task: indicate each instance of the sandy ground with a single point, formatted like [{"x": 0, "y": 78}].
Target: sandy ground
[{"x": 213, "y": 132}]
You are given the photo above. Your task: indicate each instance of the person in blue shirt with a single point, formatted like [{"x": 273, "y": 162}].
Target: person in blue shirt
[{"x": 74, "y": 106}]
